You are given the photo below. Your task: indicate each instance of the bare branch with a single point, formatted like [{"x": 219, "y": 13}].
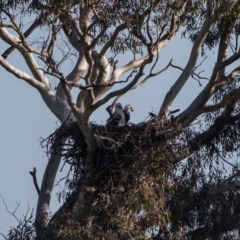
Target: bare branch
[
  {"x": 44, "y": 198},
  {"x": 178, "y": 85},
  {"x": 194, "y": 75},
  {"x": 135, "y": 63},
  {"x": 75, "y": 75},
  {"x": 94, "y": 85},
  {"x": 13, "y": 213},
  {"x": 20, "y": 74},
  {"x": 217, "y": 80},
  {"x": 3, "y": 236},
  {"x": 154, "y": 51},
  {"x": 121, "y": 91},
  {"x": 30, "y": 61},
  {"x": 33, "y": 174},
  {"x": 26, "y": 34},
  {"x": 152, "y": 75}
]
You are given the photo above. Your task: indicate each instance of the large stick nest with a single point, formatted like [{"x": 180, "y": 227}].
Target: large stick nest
[
  {"x": 116, "y": 146},
  {"x": 129, "y": 170}
]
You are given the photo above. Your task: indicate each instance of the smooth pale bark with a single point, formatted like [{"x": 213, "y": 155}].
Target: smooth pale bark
[
  {"x": 217, "y": 80},
  {"x": 178, "y": 85},
  {"x": 196, "y": 48},
  {"x": 91, "y": 98},
  {"x": 42, "y": 211}
]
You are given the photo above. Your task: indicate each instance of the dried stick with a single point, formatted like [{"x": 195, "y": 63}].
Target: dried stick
[{"x": 33, "y": 174}]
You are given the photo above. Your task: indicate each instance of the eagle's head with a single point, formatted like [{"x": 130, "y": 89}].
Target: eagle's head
[
  {"x": 128, "y": 108},
  {"x": 119, "y": 106}
]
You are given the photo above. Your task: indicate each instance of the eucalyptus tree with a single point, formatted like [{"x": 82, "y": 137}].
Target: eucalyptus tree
[{"x": 159, "y": 179}]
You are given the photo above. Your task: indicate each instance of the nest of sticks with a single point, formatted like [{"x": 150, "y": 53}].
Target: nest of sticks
[
  {"x": 115, "y": 146},
  {"x": 129, "y": 169}
]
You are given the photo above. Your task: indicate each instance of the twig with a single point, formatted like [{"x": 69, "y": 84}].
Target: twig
[
  {"x": 1, "y": 234},
  {"x": 174, "y": 111},
  {"x": 13, "y": 212},
  {"x": 232, "y": 165},
  {"x": 194, "y": 75},
  {"x": 152, "y": 75},
  {"x": 33, "y": 174},
  {"x": 93, "y": 85}
]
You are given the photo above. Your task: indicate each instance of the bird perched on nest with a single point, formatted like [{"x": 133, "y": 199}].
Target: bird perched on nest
[
  {"x": 127, "y": 110},
  {"x": 117, "y": 118}
]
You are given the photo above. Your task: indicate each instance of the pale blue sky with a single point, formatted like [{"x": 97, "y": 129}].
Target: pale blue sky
[{"x": 25, "y": 119}]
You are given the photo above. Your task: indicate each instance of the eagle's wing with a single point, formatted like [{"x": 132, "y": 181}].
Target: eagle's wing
[
  {"x": 114, "y": 119},
  {"x": 118, "y": 118}
]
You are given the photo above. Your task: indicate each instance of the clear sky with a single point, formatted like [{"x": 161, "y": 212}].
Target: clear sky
[{"x": 25, "y": 120}]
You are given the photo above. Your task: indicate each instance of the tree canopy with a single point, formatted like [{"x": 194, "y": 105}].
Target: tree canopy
[{"x": 173, "y": 176}]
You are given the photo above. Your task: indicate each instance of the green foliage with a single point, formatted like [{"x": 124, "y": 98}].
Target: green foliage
[
  {"x": 195, "y": 17},
  {"x": 157, "y": 175}
]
